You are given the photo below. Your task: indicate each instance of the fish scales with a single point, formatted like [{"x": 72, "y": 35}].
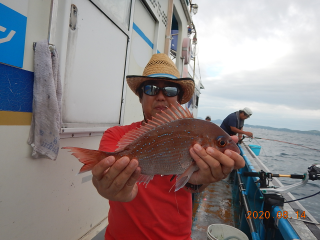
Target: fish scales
[
  {"x": 165, "y": 149},
  {"x": 162, "y": 146}
]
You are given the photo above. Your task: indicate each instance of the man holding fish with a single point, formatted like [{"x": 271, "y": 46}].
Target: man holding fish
[{"x": 139, "y": 164}]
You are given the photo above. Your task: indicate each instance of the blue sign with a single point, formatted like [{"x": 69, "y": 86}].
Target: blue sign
[{"x": 12, "y": 36}]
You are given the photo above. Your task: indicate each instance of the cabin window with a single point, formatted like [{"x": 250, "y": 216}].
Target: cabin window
[
  {"x": 174, "y": 36},
  {"x": 197, "y": 101}
]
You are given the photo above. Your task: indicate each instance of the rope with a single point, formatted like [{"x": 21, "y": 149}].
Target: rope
[
  {"x": 300, "y": 145},
  {"x": 302, "y": 198}
]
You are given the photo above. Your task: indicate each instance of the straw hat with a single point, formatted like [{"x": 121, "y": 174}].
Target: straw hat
[{"x": 161, "y": 67}]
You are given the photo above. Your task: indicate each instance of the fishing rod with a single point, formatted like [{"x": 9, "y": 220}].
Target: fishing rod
[
  {"x": 272, "y": 196},
  {"x": 312, "y": 174},
  {"x": 300, "y": 145}
]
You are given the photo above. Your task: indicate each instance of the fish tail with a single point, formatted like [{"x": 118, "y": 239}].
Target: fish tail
[
  {"x": 184, "y": 177},
  {"x": 88, "y": 157}
]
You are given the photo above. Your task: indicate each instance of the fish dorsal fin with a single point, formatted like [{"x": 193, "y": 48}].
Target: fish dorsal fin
[{"x": 169, "y": 115}]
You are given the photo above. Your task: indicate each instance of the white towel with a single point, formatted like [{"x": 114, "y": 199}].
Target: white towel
[{"x": 46, "y": 119}]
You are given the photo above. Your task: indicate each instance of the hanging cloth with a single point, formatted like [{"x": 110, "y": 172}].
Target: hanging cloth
[
  {"x": 47, "y": 93},
  {"x": 240, "y": 122}
]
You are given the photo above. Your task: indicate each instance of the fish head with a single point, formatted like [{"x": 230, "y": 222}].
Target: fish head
[
  {"x": 224, "y": 142},
  {"x": 217, "y": 137}
]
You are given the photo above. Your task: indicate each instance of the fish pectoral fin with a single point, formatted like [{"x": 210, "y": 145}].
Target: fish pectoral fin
[
  {"x": 184, "y": 177},
  {"x": 145, "y": 179},
  {"x": 181, "y": 182}
]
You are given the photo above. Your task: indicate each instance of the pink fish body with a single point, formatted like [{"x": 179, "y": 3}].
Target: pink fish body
[{"x": 162, "y": 145}]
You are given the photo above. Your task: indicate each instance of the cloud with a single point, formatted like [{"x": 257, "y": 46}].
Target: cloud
[{"x": 260, "y": 54}]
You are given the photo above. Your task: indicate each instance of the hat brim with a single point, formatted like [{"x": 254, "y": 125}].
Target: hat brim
[{"x": 187, "y": 84}]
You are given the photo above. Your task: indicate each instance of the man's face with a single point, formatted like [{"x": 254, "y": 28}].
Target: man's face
[
  {"x": 243, "y": 116},
  {"x": 155, "y": 104}
]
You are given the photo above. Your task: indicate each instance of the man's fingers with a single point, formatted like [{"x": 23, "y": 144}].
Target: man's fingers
[
  {"x": 134, "y": 177},
  {"x": 124, "y": 186},
  {"x": 200, "y": 156},
  {"x": 120, "y": 173},
  {"x": 238, "y": 159},
  {"x": 207, "y": 163},
  {"x": 99, "y": 169},
  {"x": 235, "y": 138},
  {"x": 221, "y": 157}
]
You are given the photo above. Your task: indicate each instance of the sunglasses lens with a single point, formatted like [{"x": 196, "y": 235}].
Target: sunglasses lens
[
  {"x": 170, "y": 91},
  {"x": 151, "y": 90}
]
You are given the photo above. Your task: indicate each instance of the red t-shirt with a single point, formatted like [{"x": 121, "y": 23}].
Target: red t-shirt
[{"x": 155, "y": 213}]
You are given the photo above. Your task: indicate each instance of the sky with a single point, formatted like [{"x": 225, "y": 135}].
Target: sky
[{"x": 261, "y": 54}]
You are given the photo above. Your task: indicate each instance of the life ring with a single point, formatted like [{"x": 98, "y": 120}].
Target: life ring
[{"x": 186, "y": 50}]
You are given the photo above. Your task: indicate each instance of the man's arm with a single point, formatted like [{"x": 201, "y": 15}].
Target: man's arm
[
  {"x": 236, "y": 130},
  {"x": 193, "y": 188},
  {"x": 240, "y": 134}
]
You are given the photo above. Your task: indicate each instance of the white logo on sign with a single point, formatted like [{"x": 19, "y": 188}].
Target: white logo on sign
[{"x": 7, "y": 38}]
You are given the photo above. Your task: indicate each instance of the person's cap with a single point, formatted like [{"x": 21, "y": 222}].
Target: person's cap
[
  {"x": 161, "y": 67},
  {"x": 208, "y": 117},
  {"x": 247, "y": 111}
]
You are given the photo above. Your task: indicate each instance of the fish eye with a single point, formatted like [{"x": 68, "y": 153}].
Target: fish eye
[{"x": 221, "y": 142}]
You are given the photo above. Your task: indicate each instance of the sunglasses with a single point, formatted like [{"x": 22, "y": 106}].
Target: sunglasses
[{"x": 153, "y": 90}]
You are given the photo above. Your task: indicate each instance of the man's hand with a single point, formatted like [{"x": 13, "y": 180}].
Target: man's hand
[
  {"x": 240, "y": 131},
  {"x": 249, "y": 134},
  {"x": 213, "y": 164},
  {"x": 116, "y": 181}
]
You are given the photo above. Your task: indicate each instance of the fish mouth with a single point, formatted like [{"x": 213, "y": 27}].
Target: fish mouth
[{"x": 235, "y": 148}]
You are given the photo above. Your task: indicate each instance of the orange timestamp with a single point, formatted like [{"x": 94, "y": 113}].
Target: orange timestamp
[{"x": 267, "y": 215}]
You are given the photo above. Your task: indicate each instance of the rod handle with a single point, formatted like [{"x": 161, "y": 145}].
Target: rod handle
[{"x": 251, "y": 174}]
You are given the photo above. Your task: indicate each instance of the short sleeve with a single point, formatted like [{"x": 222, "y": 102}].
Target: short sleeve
[{"x": 112, "y": 136}]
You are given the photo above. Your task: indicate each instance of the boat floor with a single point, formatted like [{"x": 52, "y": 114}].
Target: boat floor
[{"x": 212, "y": 206}]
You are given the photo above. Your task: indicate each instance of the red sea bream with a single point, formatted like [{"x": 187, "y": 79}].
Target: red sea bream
[{"x": 162, "y": 145}]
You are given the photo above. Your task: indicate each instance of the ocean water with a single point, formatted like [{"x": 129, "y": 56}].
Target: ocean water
[{"x": 284, "y": 158}]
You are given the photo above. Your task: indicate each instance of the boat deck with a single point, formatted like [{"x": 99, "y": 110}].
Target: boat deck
[
  {"x": 212, "y": 206},
  {"x": 307, "y": 228}
]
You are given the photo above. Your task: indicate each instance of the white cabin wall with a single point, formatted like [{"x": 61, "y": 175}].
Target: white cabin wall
[
  {"x": 140, "y": 53},
  {"x": 61, "y": 35},
  {"x": 183, "y": 30},
  {"x": 162, "y": 27},
  {"x": 41, "y": 198},
  {"x": 36, "y": 30},
  {"x": 138, "y": 59},
  {"x": 45, "y": 199}
]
